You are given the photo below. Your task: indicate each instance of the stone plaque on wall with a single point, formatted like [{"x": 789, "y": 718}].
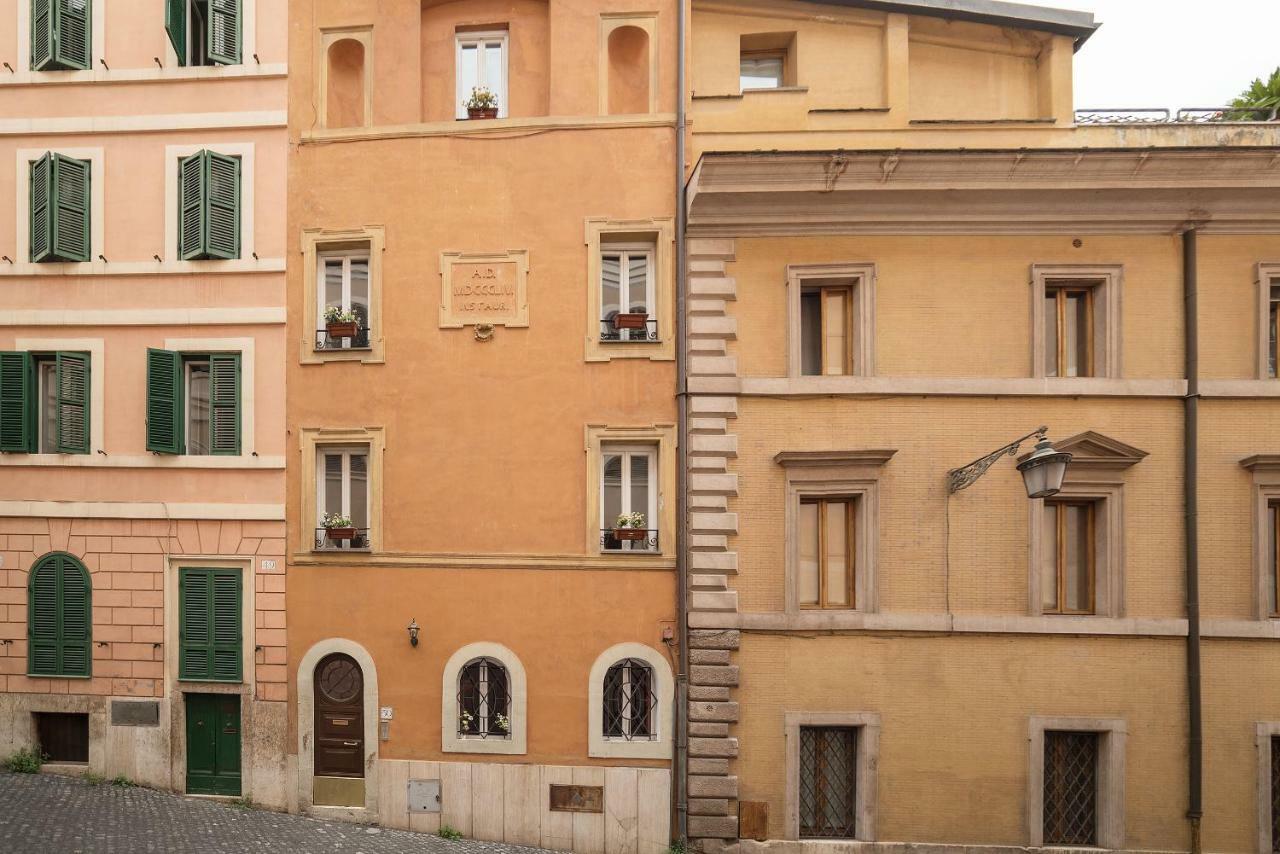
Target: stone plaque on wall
[
  {"x": 131, "y": 713},
  {"x": 484, "y": 288}
]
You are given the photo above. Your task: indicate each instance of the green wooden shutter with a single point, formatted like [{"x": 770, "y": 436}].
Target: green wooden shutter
[
  {"x": 194, "y": 641},
  {"x": 175, "y": 24},
  {"x": 164, "y": 402},
  {"x": 210, "y": 630},
  {"x": 73, "y": 403},
  {"x": 59, "y": 617},
  {"x": 224, "y": 380},
  {"x": 41, "y": 34},
  {"x": 17, "y": 402},
  {"x": 223, "y": 32},
  {"x": 222, "y": 201},
  {"x": 225, "y": 625},
  {"x": 70, "y": 208},
  {"x": 73, "y": 34},
  {"x": 41, "y": 185},
  {"x": 191, "y": 194}
]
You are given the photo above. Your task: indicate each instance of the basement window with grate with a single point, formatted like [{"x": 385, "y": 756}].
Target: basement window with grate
[
  {"x": 630, "y": 699},
  {"x": 828, "y": 782},
  {"x": 484, "y": 700},
  {"x": 1071, "y": 788}
]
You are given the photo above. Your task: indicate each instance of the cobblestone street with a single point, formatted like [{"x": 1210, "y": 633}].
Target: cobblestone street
[{"x": 42, "y": 813}]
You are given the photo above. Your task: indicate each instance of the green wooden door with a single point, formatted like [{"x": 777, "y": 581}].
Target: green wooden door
[{"x": 213, "y": 744}]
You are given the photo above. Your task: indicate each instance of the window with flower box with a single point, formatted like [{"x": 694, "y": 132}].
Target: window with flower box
[
  {"x": 629, "y": 498},
  {"x": 342, "y": 321},
  {"x": 342, "y": 498}
]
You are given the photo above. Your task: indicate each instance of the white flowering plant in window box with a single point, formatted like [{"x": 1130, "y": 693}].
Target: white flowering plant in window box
[{"x": 630, "y": 526}]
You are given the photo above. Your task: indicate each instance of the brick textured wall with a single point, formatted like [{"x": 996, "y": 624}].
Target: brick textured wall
[{"x": 126, "y": 560}]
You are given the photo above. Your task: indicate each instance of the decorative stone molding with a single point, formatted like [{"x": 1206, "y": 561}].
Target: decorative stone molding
[
  {"x": 657, "y": 747},
  {"x": 484, "y": 287},
  {"x": 1111, "y": 762},
  {"x": 867, "y": 760},
  {"x": 712, "y": 787},
  {"x": 517, "y": 742}
]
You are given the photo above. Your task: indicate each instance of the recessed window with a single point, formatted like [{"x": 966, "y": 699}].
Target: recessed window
[
  {"x": 1275, "y": 792},
  {"x": 342, "y": 498},
  {"x": 193, "y": 403},
  {"x": 484, "y": 700},
  {"x": 761, "y": 71},
  {"x": 629, "y": 498},
  {"x": 1068, "y": 330},
  {"x": 630, "y": 700},
  {"x": 627, "y": 293},
  {"x": 209, "y": 196},
  {"x": 210, "y": 634},
  {"x": 59, "y": 617},
  {"x": 826, "y": 560},
  {"x": 828, "y": 782},
  {"x": 61, "y": 206},
  {"x": 826, "y": 329},
  {"x": 44, "y": 402},
  {"x": 61, "y": 34},
  {"x": 1272, "y": 540},
  {"x": 1068, "y": 559},
  {"x": 63, "y": 737},
  {"x": 482, "y": 64},
  {"x": 1071, "y": 787},
  {"x": 205, "y": 32},
  {"x": 342, "y": 320},
  {"x": 1273, "y": 329}
]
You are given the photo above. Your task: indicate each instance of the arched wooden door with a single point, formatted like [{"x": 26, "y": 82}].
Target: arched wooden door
[{"x": 339, "y": 702}]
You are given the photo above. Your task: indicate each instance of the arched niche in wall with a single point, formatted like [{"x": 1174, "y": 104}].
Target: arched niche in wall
[
  {"x": 345, "y": 90},
  {"x": 628, "y": 70}
]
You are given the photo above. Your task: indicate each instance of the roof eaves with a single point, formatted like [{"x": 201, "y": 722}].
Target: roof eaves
[{"x": 1067, "y": 22}]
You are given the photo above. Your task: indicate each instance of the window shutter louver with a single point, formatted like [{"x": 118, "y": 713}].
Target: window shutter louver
[
  {"x": 191, "y": 213},
  {"x": 210, "y": 632},
  {"x": 70, "y": 208},
  {"x": 222, "y": 215},
  {"x": 194, "y": 641},
  {"x": 164, "y": 401},
  {"x": 17, "y": 402},
  {"x": 175, "y": 24},
  {"x": 72, "y": 34},
  {"x": 41, "y": 34},
  {"x": 41, "y": 220},
  {"x": 73, "y": 403},
  {"x": 224, "y": 373},
  {"x": 223, "y": 32},
  {"x": 59, "y": 618}
]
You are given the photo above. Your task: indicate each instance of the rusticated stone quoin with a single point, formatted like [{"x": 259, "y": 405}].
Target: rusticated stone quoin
[
  {"x": 715, "y": 639},
  {"x": 699, "y": 692},
  {"x": 708, "y": 656},
  {"x": 725, "y": 748},
  {"x": 702, "y": 711},
  {"x": 713, "y": 787},
  {"x": 713, "y": 827},
  {"x": 708, "y": 766},
  {"x": 702, "y": 675},
  {"x": 708, "y": 806},
  {"x": 708, "y": 730}
]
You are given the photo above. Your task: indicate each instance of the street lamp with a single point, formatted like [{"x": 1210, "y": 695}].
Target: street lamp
[{"x": 1042, "y": 470}]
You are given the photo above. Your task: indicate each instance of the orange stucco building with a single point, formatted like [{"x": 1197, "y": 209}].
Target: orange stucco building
[{"x": 484, "y": 419}]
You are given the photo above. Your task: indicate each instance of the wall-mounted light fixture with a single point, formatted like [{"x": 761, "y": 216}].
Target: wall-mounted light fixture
[
  {"x": 1042, "y": 470},
  {"x": 413, "y": 632}
]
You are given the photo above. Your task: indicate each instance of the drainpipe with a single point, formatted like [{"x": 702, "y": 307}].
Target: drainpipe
[
  {"x": 1195, "y": 745},
  {"x": 678, "y": 788}
]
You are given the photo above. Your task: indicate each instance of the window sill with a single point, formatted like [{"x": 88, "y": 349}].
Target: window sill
[
  {"x": 775, "y": 90},
  {"x": 58, "y": 676},
  {"x": 454, "y": 127},
  {"x": 145, "y": 268},
  {"x": 183, "y": 681},
  {"x": 152, "y": 74}
]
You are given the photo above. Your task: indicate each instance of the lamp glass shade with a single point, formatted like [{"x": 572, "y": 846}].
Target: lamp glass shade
[{"x": 1043, "y": 470}]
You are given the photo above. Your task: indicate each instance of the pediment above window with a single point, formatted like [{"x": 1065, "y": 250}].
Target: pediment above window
[
  {"x": 796, "y": 459},
  {"x": 1094, "y": 450}
]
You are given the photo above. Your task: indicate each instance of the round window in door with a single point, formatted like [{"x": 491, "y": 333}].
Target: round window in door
[{"x": 339, "y": 702}]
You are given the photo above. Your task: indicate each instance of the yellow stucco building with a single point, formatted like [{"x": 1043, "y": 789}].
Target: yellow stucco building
[{"x": 905, "y": 251}]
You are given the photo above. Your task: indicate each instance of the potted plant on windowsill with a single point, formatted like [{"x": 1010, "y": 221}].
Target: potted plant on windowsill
[
  {"x": 339, "y": 323},
  {"x": 482, "y": 103},
  {"x": 630, "y": 526},
  {"x": 338, "y": 527},
  {"x": 630, "y": 320}
]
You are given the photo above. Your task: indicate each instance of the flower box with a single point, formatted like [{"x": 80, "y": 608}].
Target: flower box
[
  {"x": 629, "y": 533},
  {"x": 342, "y": 330},
  {"x": 630, "y": 320},
  {"x": 340, "y": 533},
  {"x": 482, "y": 112}
]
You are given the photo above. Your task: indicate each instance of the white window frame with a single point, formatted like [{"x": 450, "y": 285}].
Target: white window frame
[
  {"x": 625, "y": 252},
  {"x": 346, "y": 451},
  {"x": 517, "y": 741},
  {"x": 478, "y": 39},
  {"x": 779, "y": 57},
  {"x": 628, "y": 450},
  {"x": 187, "y": 374},
  {"x": 46, "y": 373},
  {"x": 486, "y": 663},
  {"x": 1112, "y": 733},
  {"x": 656, "y": 747},
  {"x": 347, "y": 257}
]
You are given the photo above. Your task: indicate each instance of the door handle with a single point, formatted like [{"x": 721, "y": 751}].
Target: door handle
[{"x": 350, "y": 744}]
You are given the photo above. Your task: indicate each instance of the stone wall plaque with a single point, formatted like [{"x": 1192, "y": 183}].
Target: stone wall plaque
[
  {"x": 424, "y": 796},
  {"x": 133, "y": 713},
  {"x": 577, "y": 798},
  {"x": 484, "y": 288}
]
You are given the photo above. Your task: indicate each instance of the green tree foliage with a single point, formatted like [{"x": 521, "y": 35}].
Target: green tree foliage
[{"x": 1260, "y": 102}]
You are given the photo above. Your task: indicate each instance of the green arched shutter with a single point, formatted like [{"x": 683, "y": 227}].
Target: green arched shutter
[{"x": 59, "y": 617}]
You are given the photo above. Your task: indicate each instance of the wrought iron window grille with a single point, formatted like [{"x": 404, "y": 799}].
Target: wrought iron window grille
[
  {"x": 828, "y": 782},
  {"x": 1275, "y": 793},
  {"x": 359, "y": 341},
  {"x": 630, "y": 699},
  {"x": 611, "y": 332},
  {"x": 484, "y": 700},
  {"x": 326, "y": 542},
  {"x": 1071, "y": 788},
  {"x": 1186, "y": 115},
  {"x": 646, "y": 542}
]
